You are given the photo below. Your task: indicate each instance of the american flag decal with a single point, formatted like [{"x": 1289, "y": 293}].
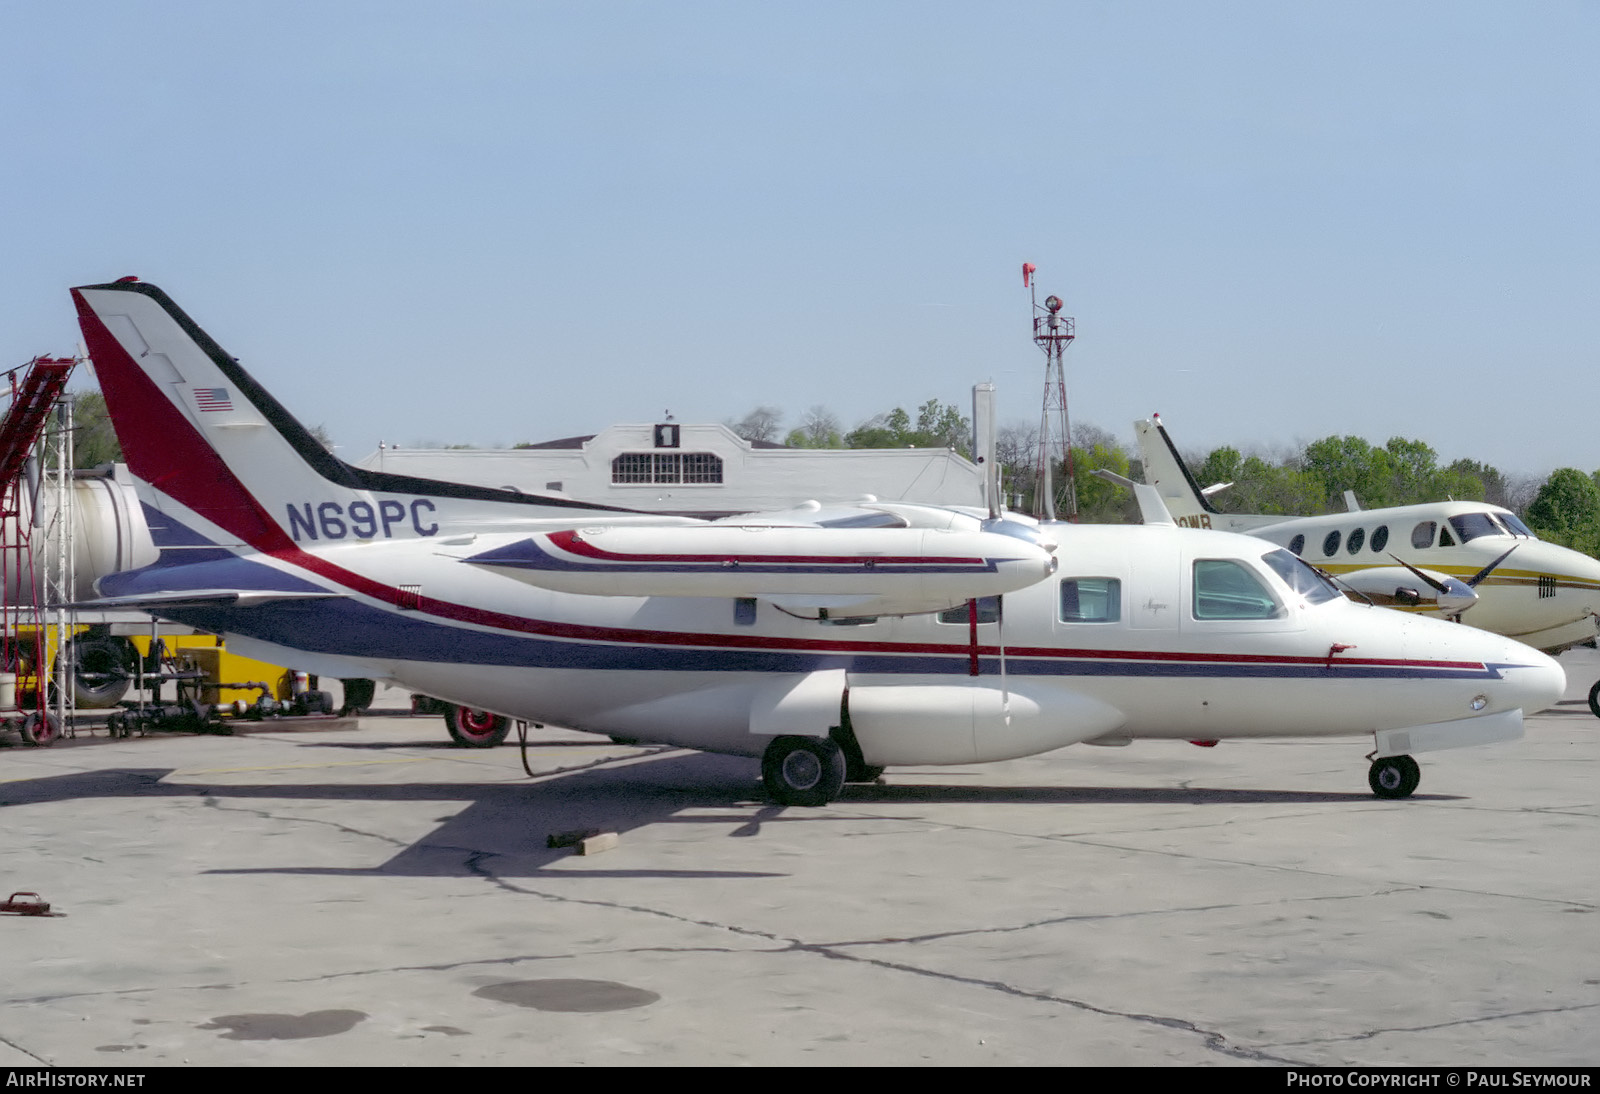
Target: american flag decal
[{"x": 212, "y": 398}]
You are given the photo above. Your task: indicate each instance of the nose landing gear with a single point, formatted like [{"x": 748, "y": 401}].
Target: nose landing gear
[{"x": 1394, "y": 776}]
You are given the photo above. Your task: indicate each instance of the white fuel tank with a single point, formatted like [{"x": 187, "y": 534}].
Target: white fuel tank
[{"x": 971, "y": 720}]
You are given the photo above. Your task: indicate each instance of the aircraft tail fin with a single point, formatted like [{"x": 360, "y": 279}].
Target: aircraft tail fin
[
  {"x": 202, "y": 432},
  {"x": 1165, "y": 470}
]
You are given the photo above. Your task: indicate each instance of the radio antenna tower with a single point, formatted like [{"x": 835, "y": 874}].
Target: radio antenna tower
[{"x": 1053, "y": 333}]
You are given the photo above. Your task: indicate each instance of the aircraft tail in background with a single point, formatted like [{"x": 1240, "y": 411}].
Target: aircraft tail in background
[
  {"x": 202, "y": 432},
  {"x": 1188, "y": 503}
]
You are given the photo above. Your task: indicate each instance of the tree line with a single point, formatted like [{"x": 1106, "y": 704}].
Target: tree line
[{"x": 1308, "y": 481}]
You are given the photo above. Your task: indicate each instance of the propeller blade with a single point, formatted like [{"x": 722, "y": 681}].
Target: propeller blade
[
  {"x": 1472, "y": 582},
  {"x": 1432, "y": 584}
]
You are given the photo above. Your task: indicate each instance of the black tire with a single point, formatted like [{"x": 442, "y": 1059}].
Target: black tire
[
  {"x": 102, "y": 673},
  {"x": 803, "y": 770},
  {"x": 40, "y": 731},
  {"x": 1594, "y": 699},
  {"x": 358, "y": 696},
  {"x": 1394, "y": 776},
  {"x": 476, "y": 728}
]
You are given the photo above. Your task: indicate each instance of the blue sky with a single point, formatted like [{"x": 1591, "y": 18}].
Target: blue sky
[{"x": 485, "y": 222}]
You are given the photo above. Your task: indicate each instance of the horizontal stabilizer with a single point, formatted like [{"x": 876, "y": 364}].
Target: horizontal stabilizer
[{"x": 156, "y": 603}]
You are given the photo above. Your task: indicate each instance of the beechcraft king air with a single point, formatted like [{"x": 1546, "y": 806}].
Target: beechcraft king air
[
  {"x": 1439, "y": 558},
  {"x": 828, "y": 642}
]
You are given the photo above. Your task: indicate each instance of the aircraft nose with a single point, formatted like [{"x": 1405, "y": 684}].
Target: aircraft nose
[{"x": 1532, "y": 680}]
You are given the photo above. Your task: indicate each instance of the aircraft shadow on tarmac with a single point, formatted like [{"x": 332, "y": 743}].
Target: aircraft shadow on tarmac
[{"x": 502, "y": 830}]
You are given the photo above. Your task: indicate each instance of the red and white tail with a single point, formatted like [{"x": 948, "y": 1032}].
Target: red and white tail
[{"x": 202, "y": 432}]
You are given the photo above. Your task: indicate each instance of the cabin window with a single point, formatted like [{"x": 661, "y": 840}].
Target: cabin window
[
  {"x": 1357, "y": 538},
  {"x": 744, "y": 611},
  {"x": 988, "y": 612},
  {"x": 1422, "y": 534},
  {"x": 1444, "y": 537},
  {"x": 646, "y": 468},
  {"x": 1330, "y": 544},
  {"x": 1380, "y": 537},
  {"x": 1226, "y": 589},
  {"x": 1091, "y": 600},
  {"x": 1297, "y": 544}
]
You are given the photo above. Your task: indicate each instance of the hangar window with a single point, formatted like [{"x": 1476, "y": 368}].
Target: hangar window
[
  {"x": 1226, "y": 589},
  {"x": 1357, "y": 538},
  {"x": 1380, "y": 537},
  {"x": 1422, "y": 534},
  {"x": 1091, "y": 600},
  {"x": 988, "y": 611},
  {"x": 645, "y": 468},
  {"x": 1330, "y": 544}
]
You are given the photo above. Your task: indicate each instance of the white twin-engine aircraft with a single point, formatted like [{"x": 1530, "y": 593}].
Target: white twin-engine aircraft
[
  {"x": 1440, "y": 558},
  {"x": 829, "y": 642}
]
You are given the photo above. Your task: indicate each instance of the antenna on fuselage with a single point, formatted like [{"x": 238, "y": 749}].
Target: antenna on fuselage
[{"x": 1053, "y": 333}]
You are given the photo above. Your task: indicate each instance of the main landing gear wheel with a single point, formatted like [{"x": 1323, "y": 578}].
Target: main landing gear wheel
[
  {"x": 476, "y": 728},
  {"x": 358, "y": 694},
  {"x": 1394, "y": 776},
  {"x": 40, "y": 731},
  {"x": 102, "y": 676},
  {"x": 803, "y": 770},
  {"x": 1594, "y": 699}
]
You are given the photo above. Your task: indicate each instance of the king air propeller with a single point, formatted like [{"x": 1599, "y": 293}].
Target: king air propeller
[{"x": 1454, "y": 596}]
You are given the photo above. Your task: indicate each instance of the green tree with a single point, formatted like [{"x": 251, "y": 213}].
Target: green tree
[
  {"x": 1337, "y": 464},
  {"x": 1222, "y": 465},
  {"x": 819, "y": 428},
  {"x": 1261, "y": 485},
  {"x": 1567, "y": 510},
  {"x": 1099, "y": 501},
  {"x": 1496, "y": 488},
  {"x": 938, "y": 426},
  {"x": 1266, "y": 487},
  {"x": 94, "y": 441}
]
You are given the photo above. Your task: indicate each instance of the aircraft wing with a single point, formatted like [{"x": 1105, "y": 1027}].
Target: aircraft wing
[{"x": 888, "y": 560}]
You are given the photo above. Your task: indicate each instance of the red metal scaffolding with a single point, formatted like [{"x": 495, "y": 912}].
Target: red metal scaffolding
[{"x": 35, "y": 389}]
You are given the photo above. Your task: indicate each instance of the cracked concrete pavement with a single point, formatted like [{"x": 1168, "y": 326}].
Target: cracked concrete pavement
[{"x": 362, "y": 893}]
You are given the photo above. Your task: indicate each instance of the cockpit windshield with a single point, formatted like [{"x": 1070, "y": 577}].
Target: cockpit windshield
[
  {"x": 1301, "y": 577},
  {"x": 1469, "y": 526},
  {"x": 1516, "y": 526}
]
